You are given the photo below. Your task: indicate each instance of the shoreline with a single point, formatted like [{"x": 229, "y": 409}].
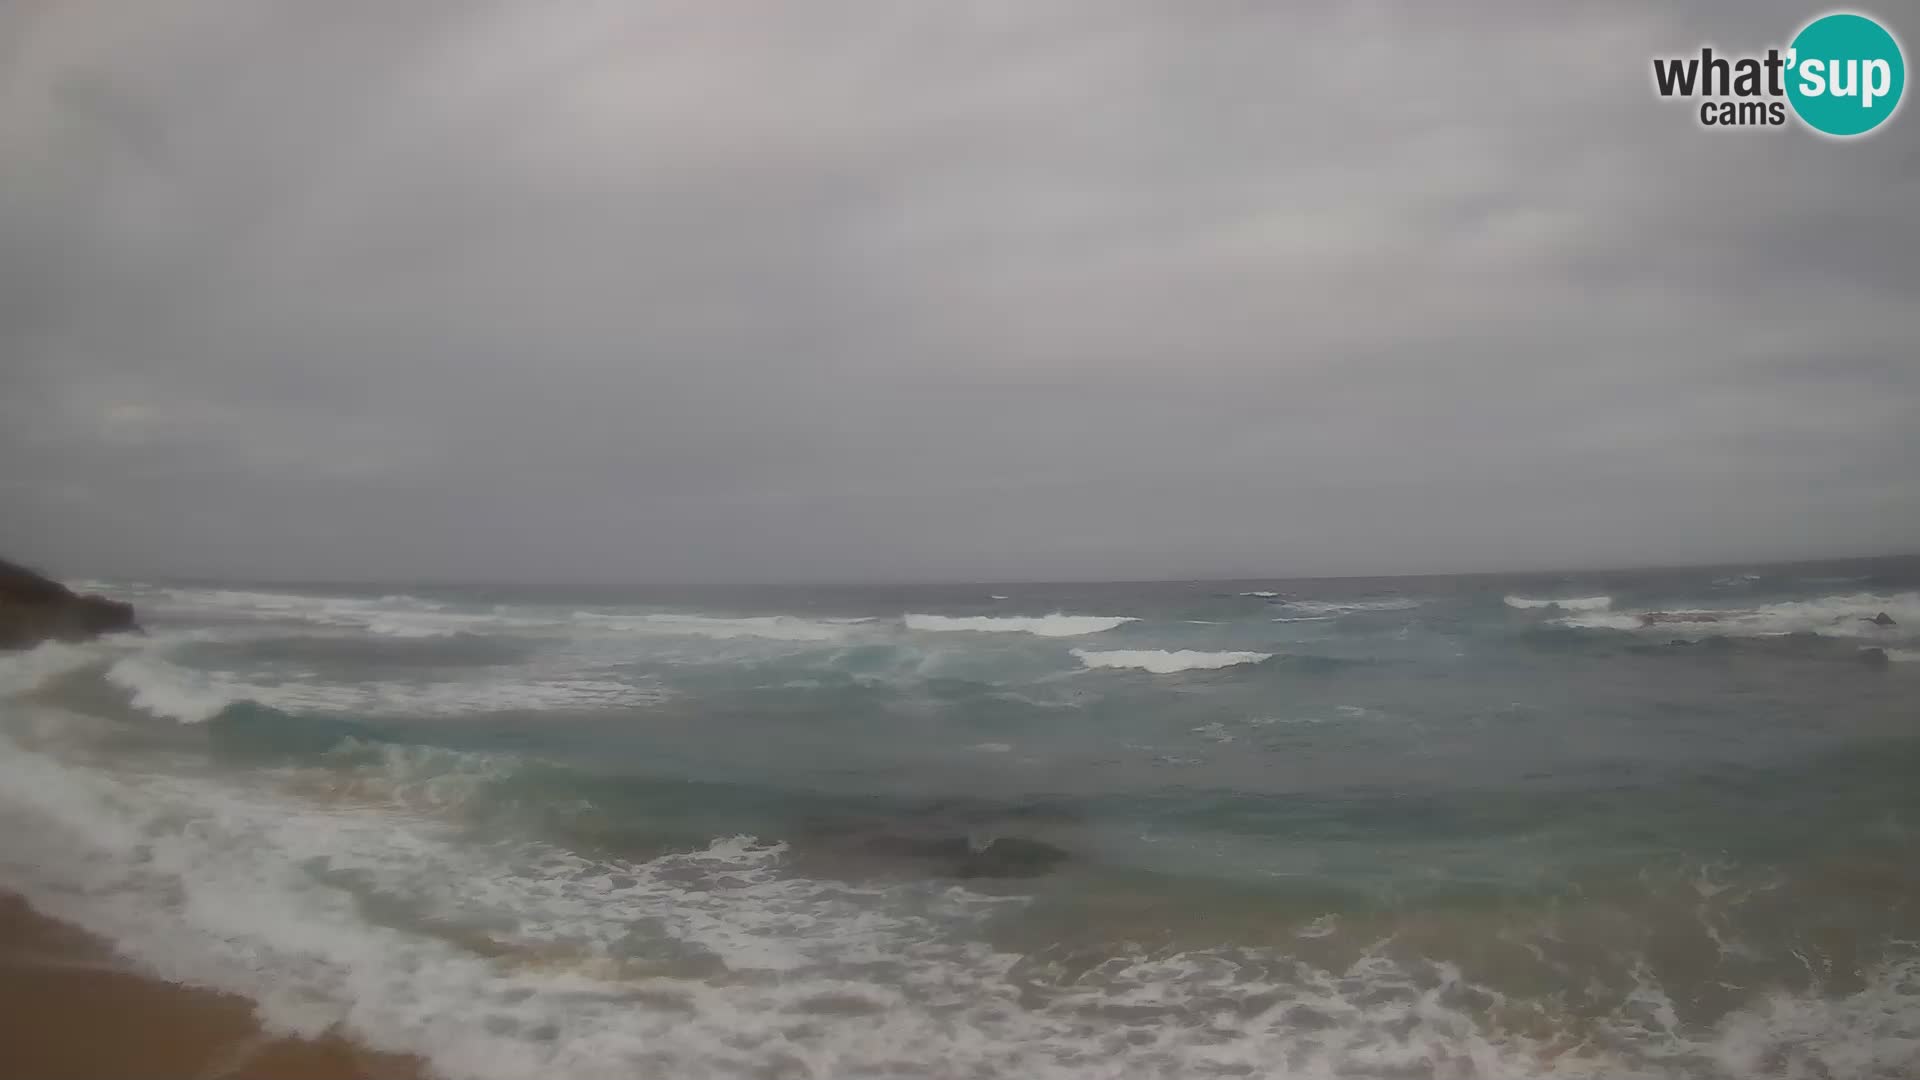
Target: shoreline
[{"x": 74, "y": 1012}]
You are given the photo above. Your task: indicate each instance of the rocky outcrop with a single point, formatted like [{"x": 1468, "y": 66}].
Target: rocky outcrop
[
  {"x": 1882, "y": 619},
  {"x": 34, "y": 609}
]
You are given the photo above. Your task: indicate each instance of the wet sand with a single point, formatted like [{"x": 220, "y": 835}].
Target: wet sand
[{"x": 69, "y": 1011}]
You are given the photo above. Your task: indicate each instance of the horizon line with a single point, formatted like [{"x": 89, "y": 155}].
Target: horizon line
[{"x": 448, "y": 583}]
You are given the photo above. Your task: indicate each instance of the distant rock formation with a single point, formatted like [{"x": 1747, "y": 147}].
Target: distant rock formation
[
  {"x": 1882, "y": 619},
  {"x": 34, "y": 609}
]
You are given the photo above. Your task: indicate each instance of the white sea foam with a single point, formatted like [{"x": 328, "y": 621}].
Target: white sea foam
[
  {"x": 394, "y": 615},
  {"x": 1166, "y": 662},
  {"x": 1349, "y": 607},
  {"x": 104, "y": 587},
  {"x": 719, "y": 962},
  {"x": 27, "y": 670},
  {"x": 771, "y": 627},
  {"x": 512, "y": 690},
  {"x": 1325, "y": 926},
  {"x": 428, "y": 779},
  {"x": 1260, "y": 593},
  {"x": 406, "y": 616},
  {"x": 1872, "y": 1032},
  {"x": 172, "y": 692},
  {"x": 1847, "y": 615},
  {"x": 1564, "y": 603},
  {"x": 1054, "y": 625},
  {"x": 409, "y": 628}
]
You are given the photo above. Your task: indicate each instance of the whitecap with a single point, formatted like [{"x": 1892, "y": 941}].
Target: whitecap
[
  {"x": 1166, "y": 662},
  {"x": 26, "y": 671},
  {"x": 172, "y": 692},
  {"x": 1568, "y": 603},
  {"x": 1057, "y": 624},
  {"x": 1349, "y": 607},
  {"x": 497, "y": 961},
  {"x": 1848, "y": 615},
  {"x": 719, "y": 628}
]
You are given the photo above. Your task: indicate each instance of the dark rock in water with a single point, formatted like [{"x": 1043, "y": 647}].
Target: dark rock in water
[
  {"x": 1008, "y": 857},
  {"x": 1874, "y": 657},
  {"x": 1710, "y": 643},
  {"x": 975, "y": 857},
  {"x": 34, "y": 609},
  {"x": 1656, "y": 618},
  {"x": 1882, "y": 619},
  {"x": 954, "y": 837}
]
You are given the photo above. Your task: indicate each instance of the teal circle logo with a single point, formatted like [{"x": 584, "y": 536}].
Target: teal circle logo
[{"x": 1845, "y": 74}]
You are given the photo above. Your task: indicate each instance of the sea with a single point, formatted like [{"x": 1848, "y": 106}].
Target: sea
[{"x": 1659, "y": 824}]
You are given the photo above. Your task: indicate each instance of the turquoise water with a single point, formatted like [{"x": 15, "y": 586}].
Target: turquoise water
[{"x": 1628, "y": 824}]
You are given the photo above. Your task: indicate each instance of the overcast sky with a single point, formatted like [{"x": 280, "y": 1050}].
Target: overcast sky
[{"x": 632, "y": 291}]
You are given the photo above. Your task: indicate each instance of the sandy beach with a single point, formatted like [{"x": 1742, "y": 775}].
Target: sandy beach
[{"x": 71, "y": 1012}]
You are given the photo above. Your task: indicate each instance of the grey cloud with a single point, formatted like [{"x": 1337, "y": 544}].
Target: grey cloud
[{"x": 694, "y": 291}]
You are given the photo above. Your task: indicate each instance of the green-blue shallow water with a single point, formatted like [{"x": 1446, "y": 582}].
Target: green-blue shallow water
[{"x": 1648, "y": 824}]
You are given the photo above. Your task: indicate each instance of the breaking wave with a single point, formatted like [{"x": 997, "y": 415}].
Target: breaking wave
[
  {"x": 1572, "y": 603},
  {"x": 501, "y": 693},
  {"x": 1849, "y": 615},
  {"x": 1054, "y": 625},
  {"x": 1166, "y": 662},
  {"x": 393, "y": 615},
  {"x": 1349, "y": 607},
  {"x": 26, "y": 671},
  {"x": 771, "y": 627},
  {"x": 171, "y": 691},
  {"x": 499, "y": 961}
]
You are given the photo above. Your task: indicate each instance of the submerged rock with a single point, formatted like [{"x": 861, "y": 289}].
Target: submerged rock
[
  {"x": 1006, "y": 857},
  {"x": 1874, "y": 657},
  {"x": 34, "y": 609},
  {"x": 950, "y": 838},
  {"x": 972, "y": 856}
]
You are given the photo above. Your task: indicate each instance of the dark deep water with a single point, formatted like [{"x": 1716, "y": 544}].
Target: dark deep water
[{"x": 1623, "y": 824}]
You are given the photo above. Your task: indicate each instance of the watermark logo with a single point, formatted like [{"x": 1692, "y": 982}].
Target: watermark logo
[{"x": 1843, "y": 75}]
